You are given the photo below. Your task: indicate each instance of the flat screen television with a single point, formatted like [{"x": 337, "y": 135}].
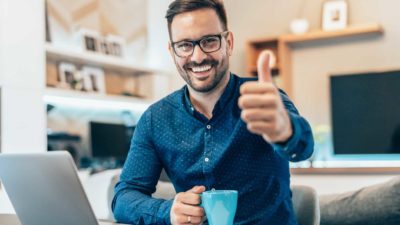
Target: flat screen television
[
  {"x": 365, "y": 111},
  {"x": 110, "y": 140}
]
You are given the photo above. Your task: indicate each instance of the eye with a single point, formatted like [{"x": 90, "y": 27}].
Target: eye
[
  {"x": 210, "y": 42},
  {"x": 184, "y": 46}
]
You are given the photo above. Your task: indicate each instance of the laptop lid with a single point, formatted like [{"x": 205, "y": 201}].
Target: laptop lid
[{"x": 45, "y": 189}]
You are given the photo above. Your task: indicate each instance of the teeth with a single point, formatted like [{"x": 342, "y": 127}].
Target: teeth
[{"x": 201, "y": 68}]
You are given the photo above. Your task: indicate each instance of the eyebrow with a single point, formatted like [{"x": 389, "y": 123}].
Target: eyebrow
[{"x": 187, "y": 39}]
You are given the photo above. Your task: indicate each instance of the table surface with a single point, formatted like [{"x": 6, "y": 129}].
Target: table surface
[{"x": 12, "y": 219}]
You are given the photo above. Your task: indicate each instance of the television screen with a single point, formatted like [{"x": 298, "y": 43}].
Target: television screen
[
  {"x": 110, "y": 140},
  {"x": 366, "y": 113}
]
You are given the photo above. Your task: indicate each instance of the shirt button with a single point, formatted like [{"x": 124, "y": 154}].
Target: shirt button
[
  {"x": 191, "y": 108},
  {"x": 206, "y": 159},
  {"x": 208, "y": 126},
  {"x": 294, "y": 156}
]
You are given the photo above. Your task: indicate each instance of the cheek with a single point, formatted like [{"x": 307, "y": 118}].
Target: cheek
[{"x": 179, "y": 62}]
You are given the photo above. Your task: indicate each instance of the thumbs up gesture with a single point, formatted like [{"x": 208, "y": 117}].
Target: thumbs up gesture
[{"x": 262, "y": 106}]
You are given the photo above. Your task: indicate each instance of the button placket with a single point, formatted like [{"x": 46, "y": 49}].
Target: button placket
[{"x": 208, "y": 147}]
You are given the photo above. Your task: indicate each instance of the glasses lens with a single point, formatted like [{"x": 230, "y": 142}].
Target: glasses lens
[
  {"x": 210, "y": 44},
  {"x": 183, "y": 48}
]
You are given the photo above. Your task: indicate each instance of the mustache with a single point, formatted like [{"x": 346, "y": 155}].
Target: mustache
[{"x": 192, "y": 64}]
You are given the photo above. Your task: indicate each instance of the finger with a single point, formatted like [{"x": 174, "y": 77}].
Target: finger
[
  {"x": 183, "y": 219},
  {"x": 254, "y": 87},
  {"x": 262, "y": 127},
  {"x": 251, "y": 115},
  {"x": 189, "y": 198},
  {"x": 257, "y": 101},
  {"x": 190, "y": 210},
  {"x": 263, "y": 67},
  {"x": 197, "y": 189}
]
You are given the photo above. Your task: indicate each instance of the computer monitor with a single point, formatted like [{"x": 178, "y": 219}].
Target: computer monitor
[
  {"x": 366, "y": 113},
  {"x": 110, "y": 140}
]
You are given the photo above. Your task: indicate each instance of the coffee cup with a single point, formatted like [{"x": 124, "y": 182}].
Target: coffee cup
[{"x": 220, "y": 206}]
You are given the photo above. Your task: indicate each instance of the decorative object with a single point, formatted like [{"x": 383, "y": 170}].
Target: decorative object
[
  {"x": 92, "y": 41},
  {"x": 104, "y": 46},
  {"x": 66, "y": 75},
  {"x": 93, "y": 79},
  {"x": 334, "y": 15},
  {"x": 89, "y": 39},
  {"x": 299, "y": 26},
  {"x": 116, "y": 45}
]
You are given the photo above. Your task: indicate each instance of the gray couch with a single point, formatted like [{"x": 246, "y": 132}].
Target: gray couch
[{"x": 374, "y": 205}]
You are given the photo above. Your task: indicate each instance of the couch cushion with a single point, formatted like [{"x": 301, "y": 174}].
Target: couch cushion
[{"x": 374, "y": 205}]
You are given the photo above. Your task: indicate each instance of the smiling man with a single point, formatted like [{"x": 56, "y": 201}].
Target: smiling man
[{"x": 219, "y": 131}]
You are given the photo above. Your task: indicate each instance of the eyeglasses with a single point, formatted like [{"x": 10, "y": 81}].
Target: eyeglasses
[{"x": 207, "y": 44}]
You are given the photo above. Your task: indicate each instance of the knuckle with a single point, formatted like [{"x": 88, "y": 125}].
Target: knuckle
[
  {"x": 241, "y": 102},
  {"x": 198, "y": 211},
  {"x": 244, "y": 115},
  {"x": 180, "y": 196}
]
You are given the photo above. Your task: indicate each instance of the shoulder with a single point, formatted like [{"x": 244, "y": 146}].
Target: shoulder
[{"x": 166, "y": 105}]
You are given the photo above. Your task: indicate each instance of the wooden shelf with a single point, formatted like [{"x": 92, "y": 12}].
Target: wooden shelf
[
  {"x": 282, "y": 47},
  {"x": 348, "y": 171},
  {"x": 321, "y": 35},
  {"x": 95, "y": 59},
  {"x": 89, "y": 99}
]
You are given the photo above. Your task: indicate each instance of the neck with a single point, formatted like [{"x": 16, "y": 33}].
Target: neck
[{"x": 204, "y": 102}]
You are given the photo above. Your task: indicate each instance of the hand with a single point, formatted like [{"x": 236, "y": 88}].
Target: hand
[
  {"x": 186, "y": 209},
  {"x": 262, "y": 106}
]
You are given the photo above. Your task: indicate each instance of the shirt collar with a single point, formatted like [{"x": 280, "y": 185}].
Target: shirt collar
[{"x": 223, "y": 100}]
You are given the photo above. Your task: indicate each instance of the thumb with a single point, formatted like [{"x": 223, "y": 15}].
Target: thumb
[
  {"x": 197, "y": 189},
  {"x": 263, "y": 67}
]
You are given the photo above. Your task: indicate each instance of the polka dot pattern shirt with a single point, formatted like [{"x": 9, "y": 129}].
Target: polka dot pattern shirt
[{"x": 219, "y": 153}]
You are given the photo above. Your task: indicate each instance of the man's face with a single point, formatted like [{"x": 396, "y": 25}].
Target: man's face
[{"x": 201, "y": 71}]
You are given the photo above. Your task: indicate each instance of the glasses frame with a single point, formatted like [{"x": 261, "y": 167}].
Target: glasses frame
[{"x": 197, "y": 42}]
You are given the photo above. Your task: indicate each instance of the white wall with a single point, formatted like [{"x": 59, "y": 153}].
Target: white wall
[
  {"x": 23, "y": 127},
  {"x": 158, "y": 54}
]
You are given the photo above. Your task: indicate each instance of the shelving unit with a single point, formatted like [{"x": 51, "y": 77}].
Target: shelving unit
[
  {"x": 95, "y": 59},
  {"x": 282, "y": 47},
  {"x": 94, "y": 100},
  {"x": 117, "y": 72}
]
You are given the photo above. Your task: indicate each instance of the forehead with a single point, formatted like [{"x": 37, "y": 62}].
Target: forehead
[{"x": 195, "y": 24}]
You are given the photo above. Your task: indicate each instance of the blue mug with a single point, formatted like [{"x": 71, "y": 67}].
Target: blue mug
[{"x": 220, "y": 206}]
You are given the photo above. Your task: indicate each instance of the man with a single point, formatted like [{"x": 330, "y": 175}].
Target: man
[{"x": 218, "y": 132}]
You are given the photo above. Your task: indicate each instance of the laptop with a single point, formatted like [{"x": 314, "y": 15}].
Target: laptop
[{"x": 45, "y": 189}]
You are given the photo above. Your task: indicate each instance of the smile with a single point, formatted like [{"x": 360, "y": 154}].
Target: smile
[{"x": 200, "y": 69}]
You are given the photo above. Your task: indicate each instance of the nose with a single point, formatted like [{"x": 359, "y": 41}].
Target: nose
[{"x": 198, "y": 55}]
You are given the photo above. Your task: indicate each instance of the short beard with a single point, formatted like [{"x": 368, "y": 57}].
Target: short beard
[{"x": 211, "y": 86}]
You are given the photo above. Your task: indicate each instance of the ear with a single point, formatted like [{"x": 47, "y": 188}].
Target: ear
[
  {"x": 171, "y": 51},
  {"x": 230, "y": 42}
]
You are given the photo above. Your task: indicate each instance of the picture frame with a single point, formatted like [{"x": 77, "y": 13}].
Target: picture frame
[
  {"x": 90, "y": 40},
  {"x": 334, "y": 15},
  {"x": 116, "y": 45},
  {"x": 66, "y": 75},
  {"x": 93, "y": 79},
  {"x": 104, "y": 46}
]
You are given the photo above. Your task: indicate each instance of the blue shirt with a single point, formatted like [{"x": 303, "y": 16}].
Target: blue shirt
[{"x": 218, "y": 153}]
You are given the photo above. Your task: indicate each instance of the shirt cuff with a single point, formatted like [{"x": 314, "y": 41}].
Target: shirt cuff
[
  {"x": 164, "y": 213},
  {"x": 285, "y": 149}
]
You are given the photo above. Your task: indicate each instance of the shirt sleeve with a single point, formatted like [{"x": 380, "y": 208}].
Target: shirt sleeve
[
  {"x": 132, "y": 203},
  {"x": 300, "y": 145}
]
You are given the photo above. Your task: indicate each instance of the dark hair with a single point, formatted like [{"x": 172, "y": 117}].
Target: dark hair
[{"x": 182, "y": 6}]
